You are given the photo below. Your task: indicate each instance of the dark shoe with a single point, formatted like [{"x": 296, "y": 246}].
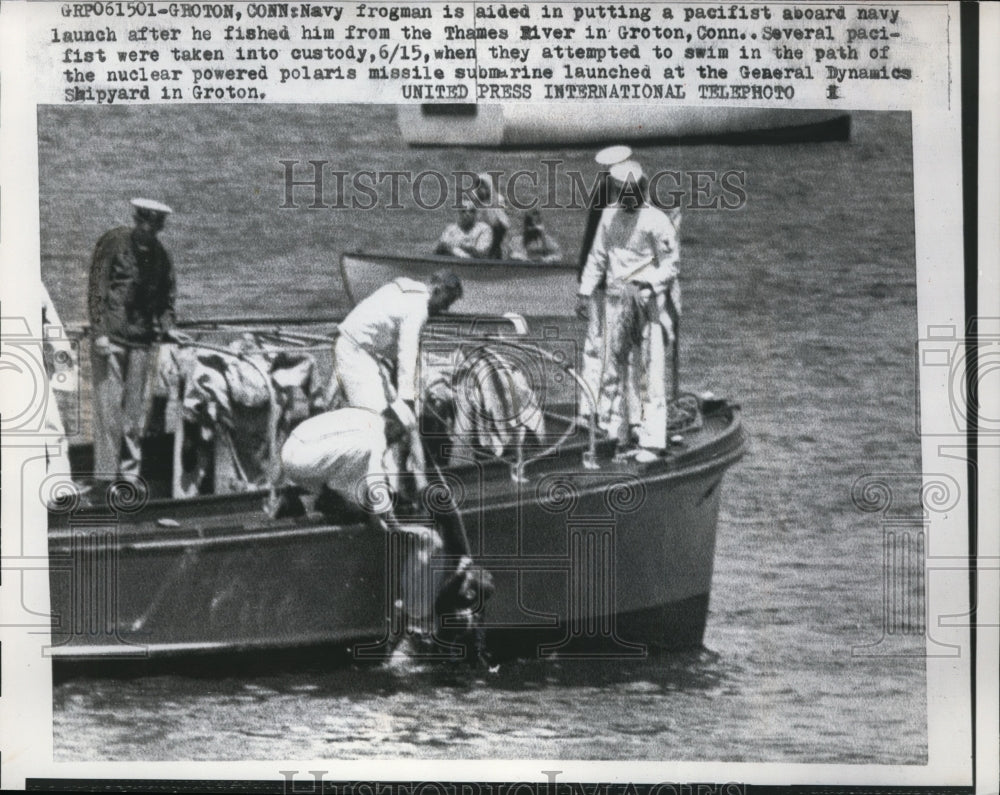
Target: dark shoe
[{"x": 289, "y": 505}]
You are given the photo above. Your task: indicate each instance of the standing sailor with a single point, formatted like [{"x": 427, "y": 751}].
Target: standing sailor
[
  {"x": 635, "y": 253},
  {"x": 375, "y": 369},
  {"x": 594, "y": 352},
  {"x": 131, "y": 305}
]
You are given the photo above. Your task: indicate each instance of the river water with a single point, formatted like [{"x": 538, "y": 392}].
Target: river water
[{"x": 801, "y": 305}]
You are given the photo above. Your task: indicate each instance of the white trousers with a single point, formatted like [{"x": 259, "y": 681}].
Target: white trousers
[
  {"x": 361, "y": 382},
  {"x": 630, "y": 364},
  {"x": 343, "y": 450}
]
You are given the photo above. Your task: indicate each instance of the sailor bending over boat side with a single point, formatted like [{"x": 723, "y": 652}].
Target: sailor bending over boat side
[
  {"x": 350, "y": 458},
  {"x": 376, "y": 352},
  {"x": 345, "y": 457},
  {"x": 635, "y": 252},
  {"x": 131, "y": 305},
  {"x": 468, "y": 237}
]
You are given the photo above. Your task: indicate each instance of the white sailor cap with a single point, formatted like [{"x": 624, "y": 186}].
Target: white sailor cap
[
  {"x": 613, "y": 154},
  {"x": 628, "y": 170},
  {"x": 151, "y": 206}
]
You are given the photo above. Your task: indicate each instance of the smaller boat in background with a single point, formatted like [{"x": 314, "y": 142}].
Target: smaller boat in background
[
  {"x": 552, "y": 124},
  {"x": 492, "y": 287}
]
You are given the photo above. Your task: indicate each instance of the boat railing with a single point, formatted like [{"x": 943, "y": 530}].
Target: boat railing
[
  {"x": 278, "y": 331},
  {"x": 273, "y": 466},
  {"x": 589, "y": 459}
]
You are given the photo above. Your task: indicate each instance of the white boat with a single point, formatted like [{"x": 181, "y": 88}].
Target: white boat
[
  {"x": 543, "y": 125},
  {"x": 492, "y": 287}
]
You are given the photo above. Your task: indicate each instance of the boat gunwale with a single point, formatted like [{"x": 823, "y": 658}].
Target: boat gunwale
[
  {"x": 463, "y": 262},
  {"x": 720, "y": 452}
]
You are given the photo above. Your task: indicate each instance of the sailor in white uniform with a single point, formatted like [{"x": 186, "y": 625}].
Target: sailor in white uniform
[
  {"x": 385, "y": 327},
  {"x": 346, "y": 457},
  {"x": 594, "y": 348},
  {"x": 635, "y": 253}
]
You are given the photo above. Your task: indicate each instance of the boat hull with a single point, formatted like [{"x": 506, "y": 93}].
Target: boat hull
[
  {"x": 538, "y": 125},
  {"x": 491, "y": 287},
  {"x": 610, "y": 561}
]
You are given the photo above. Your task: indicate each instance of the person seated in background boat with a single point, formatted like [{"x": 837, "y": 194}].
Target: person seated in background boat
[
  {"x": 468, "y": 237},
  {"x": 635, "y": 253},
  {"x": 535, "y": 243},
  {"x": 492, "y": 212}
]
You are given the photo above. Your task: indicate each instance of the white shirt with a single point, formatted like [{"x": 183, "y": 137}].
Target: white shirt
[
  {"x": 632, "y": 247},
  {"x": 475, "y": 242},
  {"x": 344, "y": 449},
  {"x": 387, "y": 324}
]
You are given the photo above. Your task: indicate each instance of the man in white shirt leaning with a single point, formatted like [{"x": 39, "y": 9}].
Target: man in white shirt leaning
[{"x": 384, "y": 329}]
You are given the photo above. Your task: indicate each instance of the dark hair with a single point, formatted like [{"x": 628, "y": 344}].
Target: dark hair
[
  {"x": 143, "y": 214},
  {"x": 449, "y": 282},
  {"x": 532, "y": 225}
]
